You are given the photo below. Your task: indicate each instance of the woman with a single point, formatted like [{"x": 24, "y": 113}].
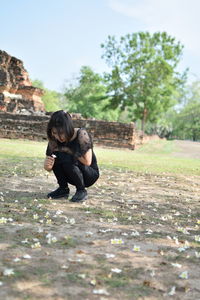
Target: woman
[{"x": 70, "y": 155}]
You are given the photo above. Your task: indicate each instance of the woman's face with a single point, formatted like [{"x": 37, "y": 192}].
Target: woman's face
[{"x": 58, "y": 136}]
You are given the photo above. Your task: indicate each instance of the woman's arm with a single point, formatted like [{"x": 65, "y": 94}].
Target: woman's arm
[{"x": 86, "y": 159}]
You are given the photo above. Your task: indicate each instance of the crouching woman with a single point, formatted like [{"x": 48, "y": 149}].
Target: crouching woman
[{"x": 71, "y": 157}]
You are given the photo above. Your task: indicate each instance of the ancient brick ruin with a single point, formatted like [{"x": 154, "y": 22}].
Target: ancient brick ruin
[
  {"x": 17, "y": 95},
  {"x": 22, "y": 113},
  {"x": 33, "y": 127}
]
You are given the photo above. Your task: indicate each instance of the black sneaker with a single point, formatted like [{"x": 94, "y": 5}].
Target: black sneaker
[
  {"x": 59, "y": 193},
  {"x": 80, "y": 195}
]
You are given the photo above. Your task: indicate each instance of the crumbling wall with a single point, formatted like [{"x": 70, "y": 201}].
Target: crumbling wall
[
  {"x": 17, "y": 94},
  {"x": 33, "y": 127}
]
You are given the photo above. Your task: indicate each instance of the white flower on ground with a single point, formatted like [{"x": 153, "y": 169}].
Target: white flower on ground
[
  {"x": 116, "y": 270},
  {"x": 148, "y": 231},
  {"x": 197, "y": 238},
  {"x": 36, "y": 245},
  {"x": 124, "y": 233},
  {"x": 105, "y": 230},
  {"x": 93, "y": 282},
  {"x": 197, "y": 254},
  {"x": 50, "y": 238},
  {"x": 176, "y": 240},
  {"x": 117, "y": 241},
  {"x": 25, "y": 241},
  {"x": 184, "y": 275},
  {"x": 59, "y": 212},
  {"x": 8, "y": 272},
  {"x": 135, "y": 233},
  {"x": 136, "y": 248},
  {"x": 152, "y": 274},
  {"x": 176, "y": 265},
  {"x": 35, "y": 216},
  {"x": 83, "y": 276},
  {"x": 47, "y": 215},
  {"x": 72, "y": 221},
  {"x": 101, "y": 292},
  {"x": 26, "y": 256},
  {"x": 16, "y": 259},
  {"x": 54, "y": 239},
  {"x": 3, "y": 220},
  {"x": 172, "y": 291},
  {"x": 65, "y": 267},
  {"x": 1, "y": 283},
  {"x": 35, "y": 240},
  {"x": 110, "y": 255},
  {"x": 49, "y": 221},
  {"x": 24, "y": 209}
]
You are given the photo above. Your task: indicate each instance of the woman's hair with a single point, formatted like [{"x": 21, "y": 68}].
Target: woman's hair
[{"x": 62, "y": 122}]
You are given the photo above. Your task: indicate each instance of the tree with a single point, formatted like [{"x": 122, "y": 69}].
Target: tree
[
  {"x": 88, "y": 96},
  {"x": 51, "y": 99},
  {"x": 188, "y": 119},
  {"x": 143, "y": 74}
]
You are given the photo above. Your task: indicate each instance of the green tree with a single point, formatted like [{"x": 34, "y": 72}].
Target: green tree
[
  {"x": 187, "y": 125},
  {"x": 143, "y": 74},
  {"x": 51, "y": 99},
  {"x": 88, "y": 96}
]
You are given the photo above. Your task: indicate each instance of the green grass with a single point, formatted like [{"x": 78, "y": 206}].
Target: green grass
[{"x": 156, "y": 157}]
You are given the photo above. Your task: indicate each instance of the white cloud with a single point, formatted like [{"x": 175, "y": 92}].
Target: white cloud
[{"x": 180, "y": 18}]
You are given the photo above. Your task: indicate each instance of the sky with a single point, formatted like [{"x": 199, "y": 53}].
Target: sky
[{"x": 54, "y": 38}]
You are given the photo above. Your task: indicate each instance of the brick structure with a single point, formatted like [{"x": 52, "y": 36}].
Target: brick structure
[
  {"x": 22, "y": 111},
  {"x": 17, "y": 95},
  {"x": 33, "y": 127}
]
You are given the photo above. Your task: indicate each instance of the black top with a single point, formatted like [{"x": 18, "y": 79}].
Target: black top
[{"x": 77, "y": 147}]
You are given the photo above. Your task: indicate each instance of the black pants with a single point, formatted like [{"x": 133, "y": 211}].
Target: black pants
[{"x": 67, "y": 170}]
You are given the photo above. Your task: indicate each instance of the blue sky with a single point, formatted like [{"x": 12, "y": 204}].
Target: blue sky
[{"x": 54, "y": 38}]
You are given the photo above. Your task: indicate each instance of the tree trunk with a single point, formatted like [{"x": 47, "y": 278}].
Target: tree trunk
[{"x": 143, "y": 120}]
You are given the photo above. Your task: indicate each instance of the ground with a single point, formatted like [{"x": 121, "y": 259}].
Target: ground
[{"x": 136, "y": 237}]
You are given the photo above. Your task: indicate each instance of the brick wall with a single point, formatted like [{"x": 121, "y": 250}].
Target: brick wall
[{"x": 33, "y": 127}]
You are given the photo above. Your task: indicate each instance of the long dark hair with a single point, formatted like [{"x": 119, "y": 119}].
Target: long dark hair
[{"x": 63, "y": 123}]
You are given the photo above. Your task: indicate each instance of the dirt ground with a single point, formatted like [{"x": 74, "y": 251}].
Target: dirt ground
[
  {"x": 136, "y": 237},
  {"x": 188, "y": 149}
]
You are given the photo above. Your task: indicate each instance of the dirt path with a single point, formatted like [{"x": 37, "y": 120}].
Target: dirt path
[
  {"x": 188, "y": 149},
  {"x": 136, "y": 237}
]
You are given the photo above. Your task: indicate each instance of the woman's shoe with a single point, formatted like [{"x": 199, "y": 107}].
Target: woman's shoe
[
  {"x": 59, "y": 193},
  {"x": 80, "y": 195}
]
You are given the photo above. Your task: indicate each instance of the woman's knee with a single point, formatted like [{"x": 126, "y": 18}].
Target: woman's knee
[{"x": 89, "y": 181}]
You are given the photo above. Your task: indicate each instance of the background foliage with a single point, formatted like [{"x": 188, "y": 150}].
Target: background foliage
[{"x": 141, "y": 85}]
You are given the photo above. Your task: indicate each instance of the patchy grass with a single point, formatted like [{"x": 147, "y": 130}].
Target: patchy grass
[{"x": 156, "y": 157}]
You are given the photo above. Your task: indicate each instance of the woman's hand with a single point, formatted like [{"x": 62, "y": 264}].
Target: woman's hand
[
  {"x": 86, "y": 159},
  {"x": 48, "y": 163}
]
